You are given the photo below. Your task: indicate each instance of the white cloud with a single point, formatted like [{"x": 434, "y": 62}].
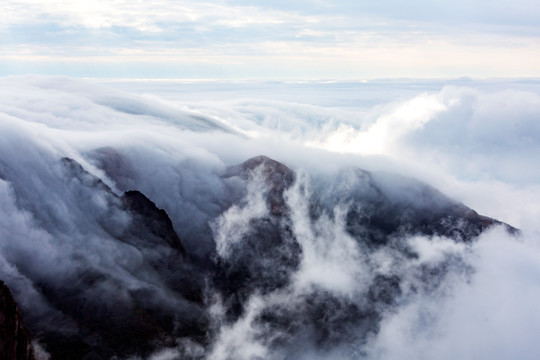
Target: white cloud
[
  {"x": 493, "y": 315},
  {"x": 175, "y": 151},
  {"x": 268, "y": 40},
  {"x": 381, "y": 136},
  {"x": 331, "y": 258},
  {"x": 143, "y": 16},
  {"x": 235, "y": 222}
]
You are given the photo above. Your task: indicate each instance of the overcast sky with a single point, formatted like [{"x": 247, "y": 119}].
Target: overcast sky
[{"x": 240, "y": 39}]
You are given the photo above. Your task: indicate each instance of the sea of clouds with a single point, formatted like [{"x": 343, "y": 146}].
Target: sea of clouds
[{"x": 476, "y": 141}]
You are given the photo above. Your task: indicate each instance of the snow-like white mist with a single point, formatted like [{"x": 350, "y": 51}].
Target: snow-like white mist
[{"x": 69, "y": 149}]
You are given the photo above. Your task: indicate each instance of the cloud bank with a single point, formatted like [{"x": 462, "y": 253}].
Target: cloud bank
[{"x": 477, "y": 144}]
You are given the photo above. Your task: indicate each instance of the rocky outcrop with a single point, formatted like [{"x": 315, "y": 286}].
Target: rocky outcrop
[
  {"x": 149, "y": 219},
  {"x": 268, "y": 253},
  {"x": 277, "y": 177},
  {"x": 15, "y": 341}
]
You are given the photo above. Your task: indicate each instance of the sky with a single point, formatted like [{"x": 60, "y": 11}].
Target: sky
[{"x": 295, "y": 39}]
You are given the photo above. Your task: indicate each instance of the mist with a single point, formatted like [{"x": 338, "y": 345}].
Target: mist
[{"x": 70, "y": 149}]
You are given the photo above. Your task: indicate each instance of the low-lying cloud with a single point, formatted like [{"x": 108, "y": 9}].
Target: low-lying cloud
[{"x": 477, "y": 145}]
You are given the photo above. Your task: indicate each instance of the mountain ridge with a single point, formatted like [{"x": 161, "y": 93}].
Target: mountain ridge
[{"x": 266, "y": 258}]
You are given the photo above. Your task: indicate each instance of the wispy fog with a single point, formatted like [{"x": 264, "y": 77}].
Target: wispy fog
[{"x": 477, "y": 142}]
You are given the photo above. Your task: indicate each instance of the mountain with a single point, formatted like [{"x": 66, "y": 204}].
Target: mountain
[{"x": 291, "y": 256}]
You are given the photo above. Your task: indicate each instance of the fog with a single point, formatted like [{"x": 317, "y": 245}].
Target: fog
[{"x": 477, "y": 142}]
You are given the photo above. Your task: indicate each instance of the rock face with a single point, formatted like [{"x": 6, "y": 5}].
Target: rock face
[
  {"x": 276, "y": 175},
  {"x": 15, "y": 342},
  {"x": 149, "y": 219},
  {"x": 266, "y": 255}
]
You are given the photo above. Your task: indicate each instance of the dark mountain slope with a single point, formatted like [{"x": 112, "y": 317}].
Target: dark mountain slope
[
  {"x": 130, "y": 286},
  {"x": 15, "y": 341}
]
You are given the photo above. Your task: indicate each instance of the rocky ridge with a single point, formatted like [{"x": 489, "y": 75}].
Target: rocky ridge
[{"x": 113, "y": 319}]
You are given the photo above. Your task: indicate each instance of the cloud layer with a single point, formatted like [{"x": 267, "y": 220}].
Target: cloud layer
[
  {"x": 237, "y": 39},
  {"x": 475, "y": 142}
]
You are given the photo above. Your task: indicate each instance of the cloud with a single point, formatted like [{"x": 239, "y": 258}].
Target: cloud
[
  {"x": 331, "y": 258},
  {"x": 488, "y": 316},
  {"x": 461, "y": 138},
  {"x": 380, "y": 137},
  {"x": 144, "y": 17},
  {"x": 454, "y": 120},
  {"x": 225, "y": 39},
  {"x": 236, "y": 221},
  {"x": 478, "y": 138}
]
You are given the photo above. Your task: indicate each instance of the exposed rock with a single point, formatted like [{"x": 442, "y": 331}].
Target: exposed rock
[
  {"x": 277, "y": 177},
  {"x": 268, "y": 253},
  {"x": 384, "y": 206},
  {"x": 149, "y": 218},
  {"x": 15, "y": 341}
]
